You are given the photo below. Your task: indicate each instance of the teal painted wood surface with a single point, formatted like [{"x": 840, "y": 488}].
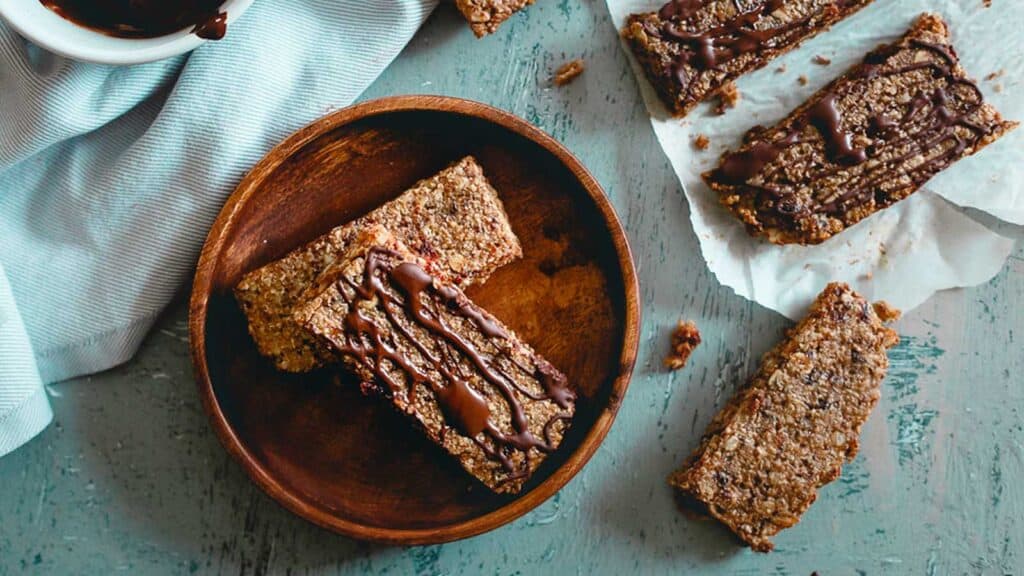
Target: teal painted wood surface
[{"x": 131, "y": 479}]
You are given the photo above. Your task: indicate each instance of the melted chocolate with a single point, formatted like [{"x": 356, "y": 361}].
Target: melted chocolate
[
  {"x": 742, "y": 166},
  {"x": 461, "y": 405},
  {"x": 838, "y": 143},
  {"x": 144, "y": 18},
  {"x": 465, "y": 406},
  {"x": 929, "y": 122},
  {"x": 681, "y": 9},
  {"x": 712, "y": 48},
  {"x": 213, "y": 28}
]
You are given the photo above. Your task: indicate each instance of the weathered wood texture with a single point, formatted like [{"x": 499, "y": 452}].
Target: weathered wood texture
[{"x": 131, "y": 478}]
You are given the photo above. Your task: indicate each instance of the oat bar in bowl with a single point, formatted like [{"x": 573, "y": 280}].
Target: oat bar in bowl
[
  {"x": 789, "y": 431},
  {"x": 864, "y": 142},
  {"x": 454, "y": 218},
  {"x": 467, "y": 381},
  {"x": 691, "y": 49}
]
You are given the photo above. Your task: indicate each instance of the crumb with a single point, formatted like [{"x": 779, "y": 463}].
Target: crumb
[
  {"x": 780, "y": 69},
  {"x": 986, "y": 3},
  {"x": 802, "y": 80},
  {"x": 728, "y": 97},
  {"x": 994, "y": 75},
  {"x": 568, "y": 72},
  {"x": 821, "y": 60},
  {"x": 998, "y": 88},
  {"x": 886, "y": 313},
  {"x": 685, "y": 338},
  {"x": 701, "y": 142}
]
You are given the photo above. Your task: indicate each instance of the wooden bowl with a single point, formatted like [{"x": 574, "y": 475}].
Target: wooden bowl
[{"x": 346, "y": 462}]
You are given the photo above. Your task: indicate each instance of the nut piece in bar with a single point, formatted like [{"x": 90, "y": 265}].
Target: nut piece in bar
[
  {"x": 455, "y": 219},
  {"x": 692, "y": 49},
  {"x": 866, "y": 141},
  {"x": 484, "y": 16},
  {"x": 789, "y": 431},
  {"x": 465, "y": 379}
]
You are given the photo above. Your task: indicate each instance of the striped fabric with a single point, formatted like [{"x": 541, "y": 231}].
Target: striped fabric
[{"x": 110, "y": 177}]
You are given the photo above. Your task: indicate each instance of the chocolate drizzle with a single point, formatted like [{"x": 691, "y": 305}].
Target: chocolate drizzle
[
  {"x": 838, "y": 143},
  {"x": 715, "y": 46},
  {"x": 144, "y": 18},
  {"x": 445, "y": 351},
  {"x": 742, "y": 166},
  {"x": 681, "y": 9},
  {"x": 710, "y": 49},
  {"x": 927, "y": 127},
  {"x": 824, "y": 116}
]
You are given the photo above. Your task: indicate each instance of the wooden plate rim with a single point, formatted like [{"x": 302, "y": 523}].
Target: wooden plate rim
[{"x": 203, "y": 284}]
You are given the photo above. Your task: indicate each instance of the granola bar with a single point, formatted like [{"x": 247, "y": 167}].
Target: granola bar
[
  {"x": 485, "y": 16},
  {"x": 866, "y": 141},
  {"x": 692, "y": 49},
  {"x": 764, "y": 456},
  {"x": 466, "y": 380},
  {"x": 454, "y": 218}
]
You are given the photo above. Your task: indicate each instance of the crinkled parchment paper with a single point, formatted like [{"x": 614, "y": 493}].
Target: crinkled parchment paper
[{"x": 903, "y": 254}]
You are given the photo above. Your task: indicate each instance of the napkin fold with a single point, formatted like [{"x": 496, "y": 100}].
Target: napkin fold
[{"x": 110, "y": 177}]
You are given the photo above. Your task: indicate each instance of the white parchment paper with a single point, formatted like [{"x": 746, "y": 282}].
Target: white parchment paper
[{"x": 903, "y": 254}]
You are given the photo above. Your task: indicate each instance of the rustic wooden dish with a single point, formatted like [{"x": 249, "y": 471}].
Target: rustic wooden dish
[{"x": 345, "y": 462}]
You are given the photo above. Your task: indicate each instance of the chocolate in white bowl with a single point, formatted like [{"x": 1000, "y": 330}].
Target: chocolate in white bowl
[{"x": 116, "y": 34}]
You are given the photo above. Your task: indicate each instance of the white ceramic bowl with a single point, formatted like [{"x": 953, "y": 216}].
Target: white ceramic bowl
[{"x": 46, "y": 29}]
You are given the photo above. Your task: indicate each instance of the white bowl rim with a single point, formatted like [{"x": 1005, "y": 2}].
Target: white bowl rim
[{"x": 49, "y": 31}]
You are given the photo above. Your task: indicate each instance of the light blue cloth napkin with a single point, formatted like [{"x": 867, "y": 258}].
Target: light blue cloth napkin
[{"x": 110, "y": 177}]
